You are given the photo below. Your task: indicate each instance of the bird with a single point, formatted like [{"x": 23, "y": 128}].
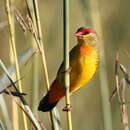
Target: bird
[{"x": 84, "y": 60}]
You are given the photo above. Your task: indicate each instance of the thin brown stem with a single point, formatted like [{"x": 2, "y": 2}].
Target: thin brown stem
[{"x": 124, "y": 109}]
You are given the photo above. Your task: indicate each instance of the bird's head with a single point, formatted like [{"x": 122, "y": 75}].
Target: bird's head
[{"x": 86, "y": 36}]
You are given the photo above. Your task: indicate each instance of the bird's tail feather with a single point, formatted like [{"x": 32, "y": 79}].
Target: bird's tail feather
[{"x": 44, "y": 104}]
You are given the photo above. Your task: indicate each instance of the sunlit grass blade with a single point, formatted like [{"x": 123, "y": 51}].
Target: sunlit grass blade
[
  {"x": 1, "y": 125},
  {"x": 13, "y": 45},
  {"x": 22, "y": 59},
  {"x": 54, "y": 117},
  {"x": 26, "y": 108},
  {"x": 35, "y": 72},
  {"x": 5, "y": 113},
  {"x": 15, "y": 114}
]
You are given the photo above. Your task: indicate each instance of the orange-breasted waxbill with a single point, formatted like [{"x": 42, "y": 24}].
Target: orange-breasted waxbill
[{"x": 83, "y": 63}]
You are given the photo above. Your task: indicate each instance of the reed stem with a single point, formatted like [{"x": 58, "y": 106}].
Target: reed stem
[
  {"x": 35, "y": 72},
  {"x": 12, "y": 40},
  {"x": 15, "y": 115},
  {"x": 39, "y": 42},
  {"x": 66, "y": 58}
]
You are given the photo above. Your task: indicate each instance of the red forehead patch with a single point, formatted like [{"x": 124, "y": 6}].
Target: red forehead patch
[
  {"x": 88, "y": 29},
  {"x": 84, "y": 31}
]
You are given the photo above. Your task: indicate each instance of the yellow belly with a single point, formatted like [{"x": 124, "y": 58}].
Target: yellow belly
[{"x": 83, "y": 70}]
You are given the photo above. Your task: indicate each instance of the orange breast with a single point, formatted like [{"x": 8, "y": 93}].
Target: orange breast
[{"x": 83, "y": 66}]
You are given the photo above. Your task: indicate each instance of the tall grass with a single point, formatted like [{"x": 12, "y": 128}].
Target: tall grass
[
  {"x": 91, "y": 16},
  {"x": 15, "y": 114},
  {"x": 24, "y": 107},
  {"x": 38, "y": 40},
  {"x": 27, "y": 110},
  {"x": 35, "y": 68},
  {"x": 96, "y": 21},
  {"x": 5, "y": 111},
  {"x": 12, "y": 41}
]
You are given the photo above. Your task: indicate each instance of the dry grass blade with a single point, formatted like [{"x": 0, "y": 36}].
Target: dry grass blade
[
  {"x": 14, "y": 52},
  {"x": 113, "y": 95},
  {"x": 117, "y": 77},
  {"x": 26, "y": 24},
  {"x": 22, "y": 59},
  {"x": 117, "y": 80},
  {"x": 25, "y": 104},
  {"x": 21, "y": 21},
  {"x": 21, "y": 107},
  {"x": 121, "y": 91},
  {"x": 5, "y": 112},
  {"x": 37, "y": 33},
  {"x": 1, "y": 126},
  {"x": 35, "y": 63},
  {"x": 126, "y": 77},
  {"x": 15, "y": 113},
  {"x": 124, "y": 107},
  {"x": 123, "y": 69},
  {"x": 29, "y": 25}
]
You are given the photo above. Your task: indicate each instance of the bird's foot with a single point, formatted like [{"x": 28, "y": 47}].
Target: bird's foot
[
  {"x": 68, "y": 70},
  {"x": 67, "y": 108}
]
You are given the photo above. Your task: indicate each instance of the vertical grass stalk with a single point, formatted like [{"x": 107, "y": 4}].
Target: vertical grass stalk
[
  {"x": 96, "y": 22},
  {"x": 53, "y": 113},
  {"x": 124, "y": 108},
  {"x": 96, "y": 19},
  {"x": 15, "y": 115},
  {"x": 35, "y": 85},
  {"x": 35, "y": 72},
  {"x": 26, "y": 108},
  {"x": 12, "y": 40},
  {"x": 41, "y": 47},
  {"x": 66, "y": 58}
]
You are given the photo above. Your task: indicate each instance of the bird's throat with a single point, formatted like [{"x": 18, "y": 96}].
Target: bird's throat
[{"x": 86, "y": 50}]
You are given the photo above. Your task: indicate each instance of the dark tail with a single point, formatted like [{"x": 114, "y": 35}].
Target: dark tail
[{"x": 44, "y": 105}]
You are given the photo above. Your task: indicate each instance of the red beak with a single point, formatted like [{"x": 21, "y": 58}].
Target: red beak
[{"x": 78, "y": 34}]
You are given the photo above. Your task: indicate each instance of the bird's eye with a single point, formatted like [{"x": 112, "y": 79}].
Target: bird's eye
[{"x": 87, "y": 32}]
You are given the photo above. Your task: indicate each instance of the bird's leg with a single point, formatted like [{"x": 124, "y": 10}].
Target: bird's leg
[
  {"x": 68, "y": 70},
  {"x": 67, "y": 108}
]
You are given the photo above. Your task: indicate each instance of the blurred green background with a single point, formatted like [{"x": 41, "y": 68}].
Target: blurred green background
[{"x": 87, "y": 106}]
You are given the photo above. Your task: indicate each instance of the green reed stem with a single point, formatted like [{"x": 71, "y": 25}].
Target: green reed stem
[{"x": 66, "y": 58}]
